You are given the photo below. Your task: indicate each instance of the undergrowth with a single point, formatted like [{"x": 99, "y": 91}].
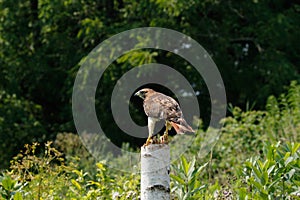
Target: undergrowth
[{"x": 256, "y": 157}]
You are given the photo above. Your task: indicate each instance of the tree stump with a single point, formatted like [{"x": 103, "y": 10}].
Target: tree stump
[{"x": 155, "y": 172}]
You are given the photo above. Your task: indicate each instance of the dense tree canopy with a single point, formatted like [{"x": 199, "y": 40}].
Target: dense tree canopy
[{"x": 254, "y": 43}]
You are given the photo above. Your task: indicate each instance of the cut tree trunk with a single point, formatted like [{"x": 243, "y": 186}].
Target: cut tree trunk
[{"x": 155, "y": 172}]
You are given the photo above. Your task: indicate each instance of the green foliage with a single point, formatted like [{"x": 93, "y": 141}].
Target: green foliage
[
  {"x": 74, "y": 151},
  {"x": 186, "y": 179},
  {"x": 42, "y": 43},
  {"x": 244, "y": 133},
  {"x": 105, "y": 186},
  {"x": 255, "y": 45},
  {"x": 253, "y": 133},
  {"x": 276, "y": 175},
  {"x": 257, "y": 158},
  {"x": 282, "y": 119},
  {"x": 9, "y": 188},
  {"x": 19, "y": 124},
  {"x": 45, "y": 175}
]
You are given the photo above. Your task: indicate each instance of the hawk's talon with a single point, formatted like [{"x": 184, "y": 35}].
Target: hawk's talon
[
  {"x": 149, "y": 141},
  {"x": 164, "y": 139},
  {"x": 154, "y": 140}
]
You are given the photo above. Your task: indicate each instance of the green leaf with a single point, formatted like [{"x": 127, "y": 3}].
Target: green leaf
[
  {"x": 187, "y": 195},
  {"x": 270, "y": 152},
  {"x": 295, "y": 148},
  {"x": 271, "y": 169},
  {"x": 290, "y": 174},
  {"x": 264, "y": 178},
  {"x": 185, "y": 165},
  {"x": 94, "y": 183},
  {"x": 287, "y": 155},
  {"x": 248, "y": 164},
  {"x": 178, "y": 179},
  {"x": 193, "y": 182},
  {"x": 288, "y": 160},
  {"x": 266, "y": 164},
  {"x": 18, "y": 196},
  {"x": 260, "y": 164},
  {"x": 242, "y": 193},
  {"x": 79, "y": 173},
  {"x": 76, "y": 184},
  {"x": 191, "y": 168},
  {"x": 200, "y": 169},
  {"x": 8, "y": 183},
  {"x": 257, "y": 173},
  {"x": 274, "y": 183},
  {"x": 256, "y": 184},
  {"x": 198, "y": 189},
  {"x": 259, "y": 187}
]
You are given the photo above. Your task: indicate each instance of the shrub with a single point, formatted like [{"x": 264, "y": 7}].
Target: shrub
[
  {"x": 257, "y": 157},
  {"x": 186, "y": 179},
  {"x": 18, "y": 125},
  {"x": 41, "y": 173},
  {"x": 275, "y": 175}
]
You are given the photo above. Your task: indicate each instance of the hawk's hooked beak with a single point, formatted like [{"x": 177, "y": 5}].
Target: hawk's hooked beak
[{"x": 138, "y": 94}]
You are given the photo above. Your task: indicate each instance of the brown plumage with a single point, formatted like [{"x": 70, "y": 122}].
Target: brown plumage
[{"x": 158, "y": 106}]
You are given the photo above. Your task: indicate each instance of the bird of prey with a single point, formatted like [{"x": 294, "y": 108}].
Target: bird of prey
[{"x": 158, "y": 106}]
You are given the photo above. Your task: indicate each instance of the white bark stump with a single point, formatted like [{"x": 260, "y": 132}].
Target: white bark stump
[{"x": 155, "y": 172}]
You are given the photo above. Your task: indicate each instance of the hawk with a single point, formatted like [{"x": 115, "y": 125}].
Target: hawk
[{"x": 158, "y": 106}]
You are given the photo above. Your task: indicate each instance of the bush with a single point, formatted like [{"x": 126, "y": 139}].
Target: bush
[
  {"x": 275, "y": 175},
  {"x": 47, "y": 176},
  {"x": 257, "y": 157},
  {"x": 18, "y": 125}
]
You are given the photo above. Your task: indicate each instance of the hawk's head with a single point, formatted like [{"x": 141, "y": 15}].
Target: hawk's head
[{"x": 143, "y": 92}]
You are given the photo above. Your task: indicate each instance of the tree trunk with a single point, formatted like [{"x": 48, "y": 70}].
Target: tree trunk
[
  {"x": 34, "y": 8},
  {"x": 155, "y": 172}
]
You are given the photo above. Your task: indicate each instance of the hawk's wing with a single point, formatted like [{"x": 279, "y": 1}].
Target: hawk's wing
[{"x": 161, "y": 106}]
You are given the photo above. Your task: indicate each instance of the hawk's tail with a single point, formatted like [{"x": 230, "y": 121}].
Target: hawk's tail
[{"x": 181, "y": 126}]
